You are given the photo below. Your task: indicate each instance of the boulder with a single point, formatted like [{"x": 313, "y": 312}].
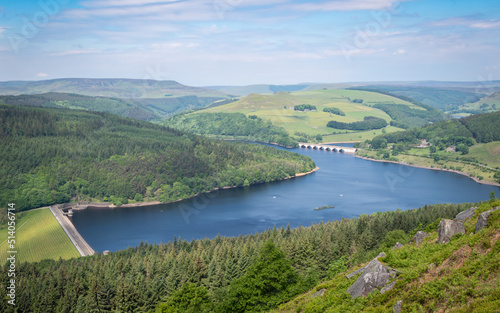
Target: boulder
[
  {"x": 388, "y": 287},
  {"x": 419, "y": 237},
  {"x": 449, "y": 228},
  {"x": 318, "y": 293},
  {"x": 373, "y": 276},
  {"x": 482, "y": 220},
  {"x": 397, "y": 307},
  {"x": 398, "y": 245},
  {"x": 465, "y": 215}
]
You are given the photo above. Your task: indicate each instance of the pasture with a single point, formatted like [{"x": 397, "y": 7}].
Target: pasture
[{"x": 38, "y": 236}]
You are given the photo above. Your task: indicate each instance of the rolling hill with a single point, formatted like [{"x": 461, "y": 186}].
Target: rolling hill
[
  {"x": 137, "y": 108},
  {"x": 108, "y": 87},
  {"x": 310, "y": 125}
]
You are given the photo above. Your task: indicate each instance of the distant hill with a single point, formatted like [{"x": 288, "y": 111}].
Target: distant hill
[
  {"x": 108, "y": 87},
  {"x": 487, "y": 104},
  {"x": 138, "y": 108},
  {"x": 260, "y": 89},
  {"x": 443, "y": 99}
]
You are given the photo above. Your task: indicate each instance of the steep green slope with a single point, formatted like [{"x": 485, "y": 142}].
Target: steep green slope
[
  {"x": 51, "y": 156},
  {"x": 74, "y": 101},
  {"x": 440, "y": 98},
  {"x": 138, "y": 108},
  {"x": 460, "y": 276}
]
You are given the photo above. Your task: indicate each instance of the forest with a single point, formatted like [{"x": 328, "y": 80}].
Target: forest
[
  {"x": 232, "y": 125},
  {"x": 404, "y": 116},
  {"x": 303, "y": 107},
  {"x": 369, "y": 122},
  {"x": 335, "y": 111},
  {"x": 248, "y": 273},
  {"x": 481, "y": 128},
  {"x": 144, "y": 109},
  {"x": 50, "y": 156}
]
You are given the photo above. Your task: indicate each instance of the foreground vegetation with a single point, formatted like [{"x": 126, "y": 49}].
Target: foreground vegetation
[
  {"x": 460, "y": 276},
  {"x": 38, "y": 236},
  {"x": 245, "y": 274},
  {"x": 52, "y": 156}
]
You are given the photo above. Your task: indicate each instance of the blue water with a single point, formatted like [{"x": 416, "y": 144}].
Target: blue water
[{"x": 354, "y": 186}]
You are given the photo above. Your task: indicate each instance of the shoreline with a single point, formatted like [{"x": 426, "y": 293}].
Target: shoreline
[
  {"x": 107, "y": 205},
  {"x": 477, "y": 180}
]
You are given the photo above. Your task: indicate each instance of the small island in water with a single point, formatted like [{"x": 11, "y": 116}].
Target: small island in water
[{"x": 324, "y": 207}]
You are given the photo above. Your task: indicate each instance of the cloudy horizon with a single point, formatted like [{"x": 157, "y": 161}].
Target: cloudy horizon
[{"x": 243, "y": 42}]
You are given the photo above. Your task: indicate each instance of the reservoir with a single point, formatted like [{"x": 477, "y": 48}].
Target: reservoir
[{"x": 353, "y": 186}]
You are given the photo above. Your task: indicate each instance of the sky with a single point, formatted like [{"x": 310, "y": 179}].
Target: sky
[{"x": 242, "y": 42}]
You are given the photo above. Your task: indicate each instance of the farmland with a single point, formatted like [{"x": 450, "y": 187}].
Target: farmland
[
  {"x": 278, "y": 109},
  {"x": 38, "y": 236}
]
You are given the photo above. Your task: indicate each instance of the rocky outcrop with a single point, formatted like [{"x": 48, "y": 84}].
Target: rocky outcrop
[
  {"x": 398, "y": 245},
  {"x": 482, "y": 220},
  {"x": 449, "y": 228},
  {"x": 397, "y": 307},
  {"x": 374, "y": 275},
  {"x": 388, "y": 287},
  {"x": 465, "y": 215},
  {"x": 318, "y": 293},
  {"x": 419, "y": 237}
]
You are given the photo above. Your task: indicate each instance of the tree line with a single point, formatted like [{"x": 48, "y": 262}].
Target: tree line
[
  {"x": 369, "y": 122},
  {"x": 335, "y": 111}
]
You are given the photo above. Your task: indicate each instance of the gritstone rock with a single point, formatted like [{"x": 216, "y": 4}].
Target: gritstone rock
[
  {"x": 448, "y": 228},
  {"x": 465, "y": 215},
  {"x": 419, "y": 237},
  {"x": 398, "y": 245},
  {"x": 373, "y": 276},
  {"x": 482, "y": 220},
  {"x": 318, "y": 293},
  {"x": 397, "y": 307}
]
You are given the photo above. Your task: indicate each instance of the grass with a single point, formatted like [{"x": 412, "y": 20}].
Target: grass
[
  {"x": 272, "y": 108},
  {"x": 489, "y": 100},
  {"x": 460, "y": 276},
  {"x": 488, "y": 154},
  {"x": 39, "y": 236}
]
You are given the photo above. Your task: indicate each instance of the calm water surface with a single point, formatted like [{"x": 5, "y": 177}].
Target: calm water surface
[{"x": 354, "y": 186}]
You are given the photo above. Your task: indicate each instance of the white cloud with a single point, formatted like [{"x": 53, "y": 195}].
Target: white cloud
[
  {"x": 42, "y": 75},
  {"x": 486, "y": 24},
  {"x": 399, "y": 51},
  {"x": 74, "y": 52},
  {"x": 351, "y": 5},
  {"x": 468, "y": 21},
  {"x": 121, "y": 3}
]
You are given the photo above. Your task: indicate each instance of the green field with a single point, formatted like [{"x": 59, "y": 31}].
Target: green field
[
  {"x": 492, "y": 104},
  {"x": 272, "y": 108},
  {"x": 486, "y": 154},
  {"x": 38, "y": 236}
]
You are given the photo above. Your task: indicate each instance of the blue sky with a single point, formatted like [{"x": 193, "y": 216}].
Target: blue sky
[{"x": 239, "y": 42}]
